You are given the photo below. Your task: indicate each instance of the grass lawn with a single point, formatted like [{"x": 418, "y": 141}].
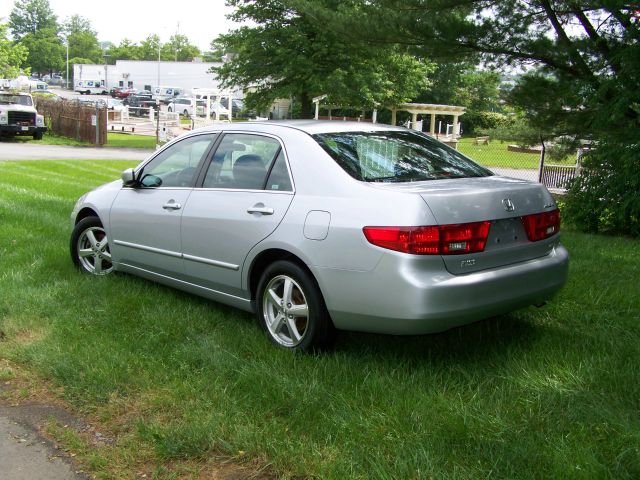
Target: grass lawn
[
  {"x": 495, "y": 154},
  {"x": 130, "y": 141},
  {"x": 113, "y": 140},
  {"x": 178, "y": 380}
]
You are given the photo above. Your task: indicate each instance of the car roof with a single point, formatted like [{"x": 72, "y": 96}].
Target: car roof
[{"x": 311, "y": 127}]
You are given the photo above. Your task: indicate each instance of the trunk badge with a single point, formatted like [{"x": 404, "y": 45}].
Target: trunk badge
[{"x": 508, "y": 205}]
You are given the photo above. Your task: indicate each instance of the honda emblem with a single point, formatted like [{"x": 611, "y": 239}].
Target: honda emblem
[{"x": 508, "y": 205}]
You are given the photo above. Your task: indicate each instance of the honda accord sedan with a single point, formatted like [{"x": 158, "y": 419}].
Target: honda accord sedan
[{"x": 323, "y": 226}]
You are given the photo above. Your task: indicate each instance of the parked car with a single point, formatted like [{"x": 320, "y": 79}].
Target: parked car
[
  {"x": 182, "y": 105},
  {"x": 237, "y": 105},
  {"x": 140, "y": 105},
  {"x": 122, "y": 92},
  {"x": 115, "y": 104},
  {"x": 321, "y": 225}
]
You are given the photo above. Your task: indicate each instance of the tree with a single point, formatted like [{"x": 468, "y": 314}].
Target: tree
[
  {"x": 179, "y": 49},
  {"x": 587, "y": 49},
  {"x": 83, "y": 40},
  {"x": 31, "y": 16},
  {"x": 288, "y": 54},
  {"x": 12, "y": 57},
  {"x": 46, "y": 52},
  {"x": 582, "y": 64},
  {"x": 125, "y": 50},
  {"x": 148, "y": 49}
]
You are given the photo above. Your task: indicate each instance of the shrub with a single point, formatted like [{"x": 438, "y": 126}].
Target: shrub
[{"x": 605, "y": 198}]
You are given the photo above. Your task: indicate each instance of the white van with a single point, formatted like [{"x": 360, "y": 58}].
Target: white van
[
  {"x": 166, "y": 94},
  {"x": 91, "y": 86}
]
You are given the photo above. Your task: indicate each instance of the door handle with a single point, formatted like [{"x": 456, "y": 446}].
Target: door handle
[
  {"x": 172, "y": 206},
  {"x": 262, "y": 210}
]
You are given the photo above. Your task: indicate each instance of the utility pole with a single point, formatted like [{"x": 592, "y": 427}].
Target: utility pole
[
  {"x": 158, "y": 62},
  {"x": 67, "y": 79},
  {"x": 175, "y": 45}
]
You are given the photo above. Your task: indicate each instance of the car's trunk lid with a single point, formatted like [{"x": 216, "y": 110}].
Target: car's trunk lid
[{"x": 500, "y": 200}]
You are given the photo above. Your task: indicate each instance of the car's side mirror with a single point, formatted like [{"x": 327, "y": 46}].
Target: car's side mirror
[{"x": 129, "y": 177}]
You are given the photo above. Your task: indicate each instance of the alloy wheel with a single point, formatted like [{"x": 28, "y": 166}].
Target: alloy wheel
[
  {"x": 93, "y": 251},
  {"x": 285, "y": 310}
]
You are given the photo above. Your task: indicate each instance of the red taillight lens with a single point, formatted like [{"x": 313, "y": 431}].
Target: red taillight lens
[
  {"x": 542, "y": 225},
  {"x": 431, "y": 240}
]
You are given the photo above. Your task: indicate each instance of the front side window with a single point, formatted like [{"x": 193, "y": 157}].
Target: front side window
[
  {"x": 177, "y": 165},
  {"x": 242, "y": 162},
  {"x": 396, "y": 156}
]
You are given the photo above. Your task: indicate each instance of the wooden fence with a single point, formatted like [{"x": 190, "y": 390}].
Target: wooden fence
[{"x": 74, "y": 120}]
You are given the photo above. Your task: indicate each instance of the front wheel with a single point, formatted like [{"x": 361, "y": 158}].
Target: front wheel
[
  {"x": 169, "y": 110},
  {"x": 290, "y": 308},
  {"x": 90, "y": 250},
  {"x": 37, "y": 136}
]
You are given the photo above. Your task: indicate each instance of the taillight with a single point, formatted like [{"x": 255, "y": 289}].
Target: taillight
[
  {"x": 431, "y": 240},
  {"x": 542, "y": 225}
]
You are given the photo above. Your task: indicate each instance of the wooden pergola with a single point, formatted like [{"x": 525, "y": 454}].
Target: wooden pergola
[{"x": 432, "y": 110}]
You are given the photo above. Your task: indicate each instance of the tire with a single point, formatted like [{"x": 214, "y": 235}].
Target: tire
[
  {"x": 89, "y": 247},
  {"x": 297, "y": 320},
  {"x": 185, "y": 113},
  {"x": 169, "y": 110},
  {"x": 37, "y": 136}
]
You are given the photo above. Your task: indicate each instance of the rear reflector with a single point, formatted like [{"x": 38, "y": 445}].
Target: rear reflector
[
  {"x": 431, "y": 240},
  {"x": 542, "y": 225}
]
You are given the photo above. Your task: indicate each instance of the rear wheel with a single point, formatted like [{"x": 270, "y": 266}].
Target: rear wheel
[
  {"x": 185, "y": 113},
  {"x": 169, "y": 110},
  {"x": 90, "y": 250},
  {"x": 290, "y": 308}
]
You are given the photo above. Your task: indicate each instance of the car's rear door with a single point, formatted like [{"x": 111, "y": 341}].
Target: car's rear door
[
  {"x": 145, "y": 221},
  {"x": 240, "y": 199}
]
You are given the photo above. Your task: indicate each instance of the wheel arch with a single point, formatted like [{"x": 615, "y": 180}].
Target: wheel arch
[
  {"x": 86, "y": 212},
  {"x": 266, "y": 258}
]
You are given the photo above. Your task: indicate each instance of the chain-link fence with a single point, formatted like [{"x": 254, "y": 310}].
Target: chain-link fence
[{"x": 528, "y": 163}]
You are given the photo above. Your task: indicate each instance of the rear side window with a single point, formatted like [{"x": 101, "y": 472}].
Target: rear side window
[
  {"x": 242, "y": 162},
  {"x": 397, "y": 156}
]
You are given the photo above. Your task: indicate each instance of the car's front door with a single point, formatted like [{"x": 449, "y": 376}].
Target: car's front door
[
  {"x": 238, "y": 202},
  {"x": 145, "y": 220}
]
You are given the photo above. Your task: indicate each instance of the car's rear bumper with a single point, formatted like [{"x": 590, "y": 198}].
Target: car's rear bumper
[{"x": 415, "y": 295}]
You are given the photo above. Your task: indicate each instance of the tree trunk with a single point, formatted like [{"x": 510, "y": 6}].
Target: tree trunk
[{"x": 306, "y": 106}]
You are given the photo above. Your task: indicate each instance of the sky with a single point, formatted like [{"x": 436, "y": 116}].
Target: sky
[{"x": 200, "y": 20}]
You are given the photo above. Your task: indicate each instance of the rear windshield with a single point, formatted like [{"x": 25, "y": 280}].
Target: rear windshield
[{"x": 397, "y": 156}]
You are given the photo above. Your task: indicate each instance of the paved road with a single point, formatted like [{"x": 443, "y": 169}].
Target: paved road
[
  {"x": 24, "y": 453},
  {"x": 36, "y": 151}
]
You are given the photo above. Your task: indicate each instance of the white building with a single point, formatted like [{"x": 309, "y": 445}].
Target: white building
[{"x": 145, "y": 75}]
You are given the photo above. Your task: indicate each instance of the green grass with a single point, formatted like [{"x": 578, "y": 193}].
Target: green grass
[
  {"x": 540, "y": 393},
  {"x": 130, "y": 141},
  {"x": 48, "y": 139},
  {"x": 495, "y": 154},
  {"x": 113, "y": 140}
]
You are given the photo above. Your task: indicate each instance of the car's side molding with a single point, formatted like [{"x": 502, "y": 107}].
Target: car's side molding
[
  {"x": 145, "y": 248},
  {"x": 170, "y": 253}
]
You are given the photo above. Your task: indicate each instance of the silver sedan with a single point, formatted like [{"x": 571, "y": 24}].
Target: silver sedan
[{"x": 318, "y": 226}]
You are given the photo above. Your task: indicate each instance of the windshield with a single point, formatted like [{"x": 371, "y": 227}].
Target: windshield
[
  {"x": 397, "y": 156},
  {"x": 13, "y": 99}
]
